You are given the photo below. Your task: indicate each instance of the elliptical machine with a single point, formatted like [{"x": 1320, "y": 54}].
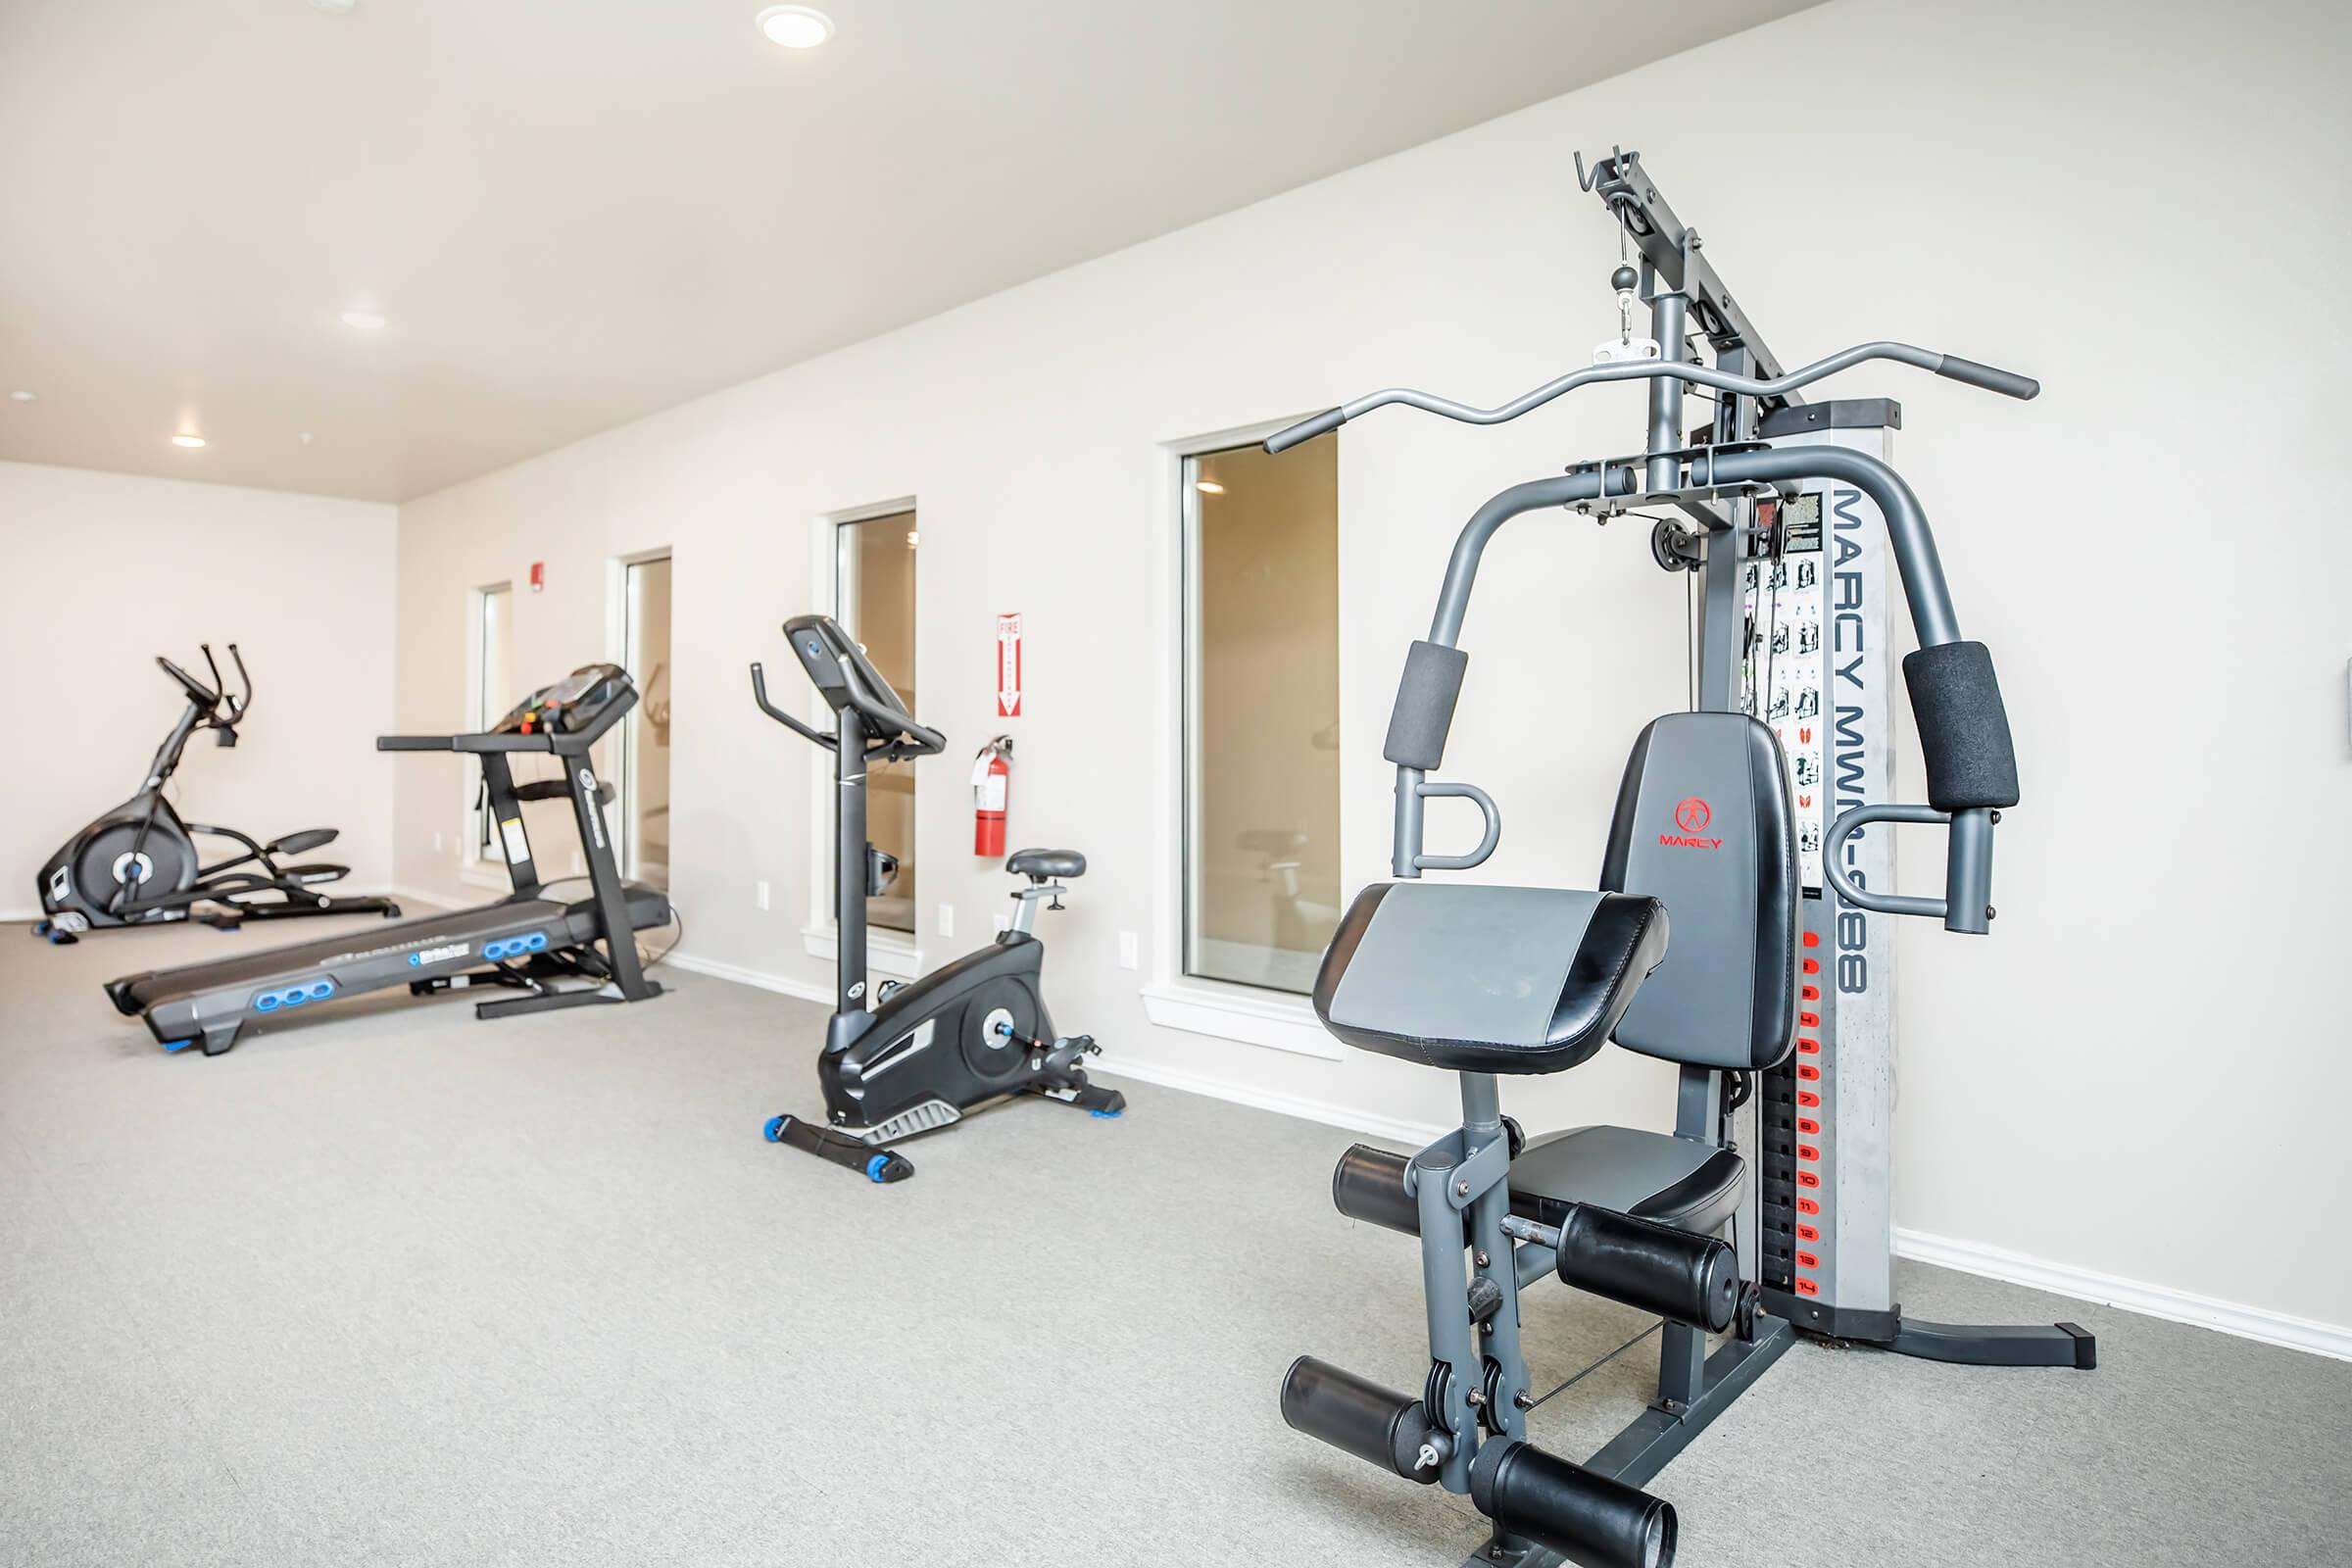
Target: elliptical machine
[
  {"x": 138, "y": 864},
  {"x": 968, "y": 1033}
]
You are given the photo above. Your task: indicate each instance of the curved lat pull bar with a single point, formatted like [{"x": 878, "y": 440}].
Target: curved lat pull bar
[{"x": 1948, "y": 366}]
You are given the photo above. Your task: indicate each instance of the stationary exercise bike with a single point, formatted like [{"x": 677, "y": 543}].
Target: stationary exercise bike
[
  {"x": 138, "y": 864},
  {"x": 967, "y": 1034}
]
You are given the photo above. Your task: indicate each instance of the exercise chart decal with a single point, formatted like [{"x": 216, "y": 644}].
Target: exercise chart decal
[{"x": 1782, "y": 600}]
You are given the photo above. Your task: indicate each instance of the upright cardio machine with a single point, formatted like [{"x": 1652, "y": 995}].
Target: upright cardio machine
[
  {"x": 528, "y": 940},
  {"x": 916, "y": 1056},
  {"x": 1739, "y": 930},
  {"x": 138, "y": 864}
]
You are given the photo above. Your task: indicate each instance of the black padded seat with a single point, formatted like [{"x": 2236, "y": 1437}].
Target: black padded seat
[
  {"x": 1046, "y": 864},
  {"x": 1674, "y": 1181},
  {"x": 1487, "y": 979}
]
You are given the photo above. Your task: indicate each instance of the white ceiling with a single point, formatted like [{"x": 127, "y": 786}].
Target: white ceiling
[{"x": 573, "y": 213}]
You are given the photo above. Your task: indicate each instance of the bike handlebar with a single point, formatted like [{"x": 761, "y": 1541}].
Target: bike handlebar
[
  {"x": 1950, "y": 365},
  {"x": 828, "y": 741}
]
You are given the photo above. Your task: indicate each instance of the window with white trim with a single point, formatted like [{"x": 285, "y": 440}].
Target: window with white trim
[{"x": 1261, "y": 714}]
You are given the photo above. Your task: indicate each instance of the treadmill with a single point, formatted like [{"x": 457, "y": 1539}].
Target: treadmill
[{"x": 526, "y": 941}]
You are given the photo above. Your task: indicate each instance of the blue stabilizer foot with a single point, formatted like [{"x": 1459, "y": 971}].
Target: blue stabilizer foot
[
  {"x": 1107, "y": 1115},
  {"x": 177, "y": 1045},
  {"x": 774, "y": 1130},
  {"x": 875, "y": 1166}
]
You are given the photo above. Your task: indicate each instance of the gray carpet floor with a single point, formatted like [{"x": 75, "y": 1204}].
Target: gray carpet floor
[{"x": 389, "y": 1285}]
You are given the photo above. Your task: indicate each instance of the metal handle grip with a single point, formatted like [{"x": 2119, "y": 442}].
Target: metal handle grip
[
  {"x": 1323, "y": 424},
  {"x": 1486, "y": 845},
  {"x": 2008, "y": 384},
  {"x": 1968, "y": 869}
]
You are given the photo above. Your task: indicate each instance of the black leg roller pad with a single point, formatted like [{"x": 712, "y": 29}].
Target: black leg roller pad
[
  {"x": 1588, "y": 1518},
  {"x": 1651, "y": 1267},
  {"x": 1358, "y": 1416}
]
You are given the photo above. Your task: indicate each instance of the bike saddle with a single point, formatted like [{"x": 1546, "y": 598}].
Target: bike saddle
[{"x": 1044, "y": 863}]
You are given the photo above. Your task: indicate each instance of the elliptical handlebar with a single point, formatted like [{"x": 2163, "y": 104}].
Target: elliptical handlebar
[
  {"x": 220, "y": 709},
  {"x": 1951, "y": 367},
  {"x": 238, "y": 707}
]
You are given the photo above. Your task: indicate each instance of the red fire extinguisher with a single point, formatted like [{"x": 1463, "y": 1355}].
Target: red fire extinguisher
[{"x": 992, "y": 795}]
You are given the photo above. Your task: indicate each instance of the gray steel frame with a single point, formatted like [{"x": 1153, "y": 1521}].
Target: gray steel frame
[{"x": 1464, "y": 1176}]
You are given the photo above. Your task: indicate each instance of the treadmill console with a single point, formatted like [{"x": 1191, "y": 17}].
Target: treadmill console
[{"x": 572, "y": 705}]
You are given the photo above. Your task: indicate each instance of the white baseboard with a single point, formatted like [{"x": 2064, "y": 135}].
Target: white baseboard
[
  {"x": 2132, "y": 1295},
  {"x": 760, "y": 978},
  {"x": 1413, "y": 1135}
]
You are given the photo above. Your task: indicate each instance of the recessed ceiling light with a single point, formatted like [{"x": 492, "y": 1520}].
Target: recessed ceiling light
[
  {"x": 22, "y": 396},
  {"x": 363, "y": 320},
  {"x": 1209, "y": 487},
  {"x": 187, "y": 440},
  {"x": 794, "y": 26}
]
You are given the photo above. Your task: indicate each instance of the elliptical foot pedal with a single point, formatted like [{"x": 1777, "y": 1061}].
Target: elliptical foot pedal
[
  {"x": 1097, "y": 1101},
  {"x": 877, "y": 1165}
]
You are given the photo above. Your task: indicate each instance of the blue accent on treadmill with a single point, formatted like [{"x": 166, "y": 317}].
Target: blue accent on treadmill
[
  {"x": 416, "y": 961},
  {"x": 294, "y": 997},
  {"x": 875, "y": 1166},
  {"x": 267, "y": 1002},
  {"x": 322, "y": 990},
  {"x": 536, "y": 941}
]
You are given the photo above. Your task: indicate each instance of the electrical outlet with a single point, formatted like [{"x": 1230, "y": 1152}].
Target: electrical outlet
[
  {"x": 438, "y": 842},
  {"x": 1129, "y": 950},
  {"x": 946, "y": 919},
  {"x": 760, "y": 893}
]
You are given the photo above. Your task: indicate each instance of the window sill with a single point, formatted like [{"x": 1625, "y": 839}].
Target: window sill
[
  {"x": 888, "y": 953},
  {"x": 1269, "y": 1018}
]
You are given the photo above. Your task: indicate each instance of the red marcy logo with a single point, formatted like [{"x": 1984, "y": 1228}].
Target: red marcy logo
[{"x": 1693, "y": 817}]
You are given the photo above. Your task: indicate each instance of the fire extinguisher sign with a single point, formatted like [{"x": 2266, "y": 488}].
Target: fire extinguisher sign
[{"x": 1008, "y": 665}]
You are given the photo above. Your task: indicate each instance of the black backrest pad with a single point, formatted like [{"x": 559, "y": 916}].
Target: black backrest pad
[
  {"x": 1705, "y": 825},
  {"x": 1963, "y": 726}
]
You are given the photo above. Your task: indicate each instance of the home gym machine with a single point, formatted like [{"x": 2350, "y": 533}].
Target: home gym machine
[
  {"x": 138, "y": 864},
  {"x": 970, "y": 1032},
  {"x": 1759, "y": 828},
  {"x": 528, "y": 940}
]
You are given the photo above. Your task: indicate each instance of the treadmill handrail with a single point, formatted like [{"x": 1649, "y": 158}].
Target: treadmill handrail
[{"x": 466, "y": 743}]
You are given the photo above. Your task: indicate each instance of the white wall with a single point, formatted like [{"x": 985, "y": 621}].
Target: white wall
[
  {"x": 2140, "y": 1074},
  {"x": 105, "y": 571}
]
